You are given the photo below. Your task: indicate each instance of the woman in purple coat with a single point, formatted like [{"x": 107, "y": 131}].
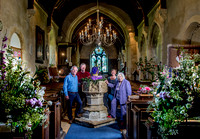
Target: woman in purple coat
[{"x": 122, "y": 91}]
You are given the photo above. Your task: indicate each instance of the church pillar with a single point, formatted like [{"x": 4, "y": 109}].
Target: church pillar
[{"x": 131, "y": 55}]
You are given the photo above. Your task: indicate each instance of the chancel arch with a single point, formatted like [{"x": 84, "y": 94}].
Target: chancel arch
[{"x": 72, "y": 25}]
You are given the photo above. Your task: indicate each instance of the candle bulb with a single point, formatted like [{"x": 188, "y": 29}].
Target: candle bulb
[
  {"x": 107, "y": 31},
  {"x": 102, "y": 19},
  {"x": 104, "y": 36},
  {"x": 99, "y": 32},
  {"x": 80, "y": 35},
  {"x": 89, "y": 22},
  {"x": 110, "y": 27}
]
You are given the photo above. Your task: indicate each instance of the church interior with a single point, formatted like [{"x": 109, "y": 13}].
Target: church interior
[{"x": 154, "y": 43}]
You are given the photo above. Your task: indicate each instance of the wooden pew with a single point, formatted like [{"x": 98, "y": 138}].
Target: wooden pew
[
  {"x": 55, "y": 117},
  {"x": 140, "y": 116},
  {"x": 141, "y": 102},
  {"x": 42, "y": 132}
]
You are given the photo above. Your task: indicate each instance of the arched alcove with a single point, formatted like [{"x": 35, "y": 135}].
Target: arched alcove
[
  {"x": 192, "y": 33},
  {"x": 155, "y": 47},
  {"x": 16, "y": 45}
]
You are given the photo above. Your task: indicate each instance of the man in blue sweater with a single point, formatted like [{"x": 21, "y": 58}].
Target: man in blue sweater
[{"x": 70, "y": 88}]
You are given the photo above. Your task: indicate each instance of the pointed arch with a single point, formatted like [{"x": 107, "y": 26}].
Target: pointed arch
[{"x": 104, "y": 10}]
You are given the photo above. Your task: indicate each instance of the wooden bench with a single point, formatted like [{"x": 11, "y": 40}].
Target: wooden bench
[
  {"x": 140, "y": 116},
  {"x": 141, "y": 102},
  {"x": 55, "y": 117}
]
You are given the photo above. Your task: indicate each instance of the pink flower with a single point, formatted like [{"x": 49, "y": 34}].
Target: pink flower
[
  {"x": 140, "y": 88},
  {"x": 147, "y": 88}
]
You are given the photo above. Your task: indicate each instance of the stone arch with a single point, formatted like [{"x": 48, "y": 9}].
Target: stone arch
[
  {"x": 192, "y": 33},
  {"x": 186, "y": 29},
  {"x": 91, "y": 10},
  {"x": 155, "y": 42}
]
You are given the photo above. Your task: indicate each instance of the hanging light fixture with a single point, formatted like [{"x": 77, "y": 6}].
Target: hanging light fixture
[{"x": 97, "y": 33}]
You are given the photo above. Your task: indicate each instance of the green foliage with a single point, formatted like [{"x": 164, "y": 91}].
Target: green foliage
[
  {"x": 146, "y": 66},
  {"x": 20, "y": 95},
  {"x": 88, "y": 80},
  {"x": 42, "y": 75},
  {"x": 175, "y": 94}
]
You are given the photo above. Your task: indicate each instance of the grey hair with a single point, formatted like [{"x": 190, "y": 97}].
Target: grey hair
[
  {"x": 122, "y": 74},
  {"x": 83, "y": 64},
  {"x": 73, "y": 68}
]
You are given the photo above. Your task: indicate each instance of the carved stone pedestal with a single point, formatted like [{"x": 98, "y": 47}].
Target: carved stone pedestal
[{"x": 95, "y": 113}]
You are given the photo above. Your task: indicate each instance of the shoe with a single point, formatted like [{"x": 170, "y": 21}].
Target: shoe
[
  {"x": 70, "y": 121},
  {"x": 78, "y": 116},
  {"x": 109, "y": 116},
  {"x": 123, "y": 131}
]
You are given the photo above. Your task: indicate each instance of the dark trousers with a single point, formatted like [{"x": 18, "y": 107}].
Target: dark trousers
[
  {"x": 83, "y": 97},
  {"x": 73, "y": 96},
  {"x": 121, "y": 115}
]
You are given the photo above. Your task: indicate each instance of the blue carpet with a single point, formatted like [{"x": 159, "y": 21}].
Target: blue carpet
[{"x": 77, "y": 131}]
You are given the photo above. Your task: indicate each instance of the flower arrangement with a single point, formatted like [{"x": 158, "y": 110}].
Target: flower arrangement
[
  {"x": 95, "y": 78},
  {"x": 197, "y": 58},
  {"x": 42, "y": 75},
  {"x": 146, "y": 66},
  {"x": 175, "y": 95},
  {"x": 20, "y": 95},
  {"x": 144, "y": 89},
  {"x": 95, "y": 72}
]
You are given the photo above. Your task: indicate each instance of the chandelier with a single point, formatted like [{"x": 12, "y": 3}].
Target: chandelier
[{"x": 96, "y": 33}]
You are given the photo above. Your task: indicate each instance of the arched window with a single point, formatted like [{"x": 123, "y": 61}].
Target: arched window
[
  {"x": 99, "y": 58},
  {"x": 16, "y": 46}
]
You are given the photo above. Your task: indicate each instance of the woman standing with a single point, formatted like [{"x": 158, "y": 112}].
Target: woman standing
[
  {"x": 112, "y": 79},
  {"x": 122, "y": 89}
]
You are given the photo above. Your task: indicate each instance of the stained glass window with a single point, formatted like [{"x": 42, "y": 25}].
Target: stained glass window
[{"x": 99, "y": 58}]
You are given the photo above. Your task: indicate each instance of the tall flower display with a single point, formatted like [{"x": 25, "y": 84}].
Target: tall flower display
[
  {"x": 20, "y": 96},
  {"x": 176, "y": 94},
  {"x": 146, "y": 66}
]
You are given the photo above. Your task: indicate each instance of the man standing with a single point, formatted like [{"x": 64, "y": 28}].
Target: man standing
[
  {"x": 82, "y": 74},
  {"x": 70, "y": 88}
]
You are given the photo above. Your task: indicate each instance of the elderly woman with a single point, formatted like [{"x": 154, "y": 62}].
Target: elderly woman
[{"x": 122, "y": 91}]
